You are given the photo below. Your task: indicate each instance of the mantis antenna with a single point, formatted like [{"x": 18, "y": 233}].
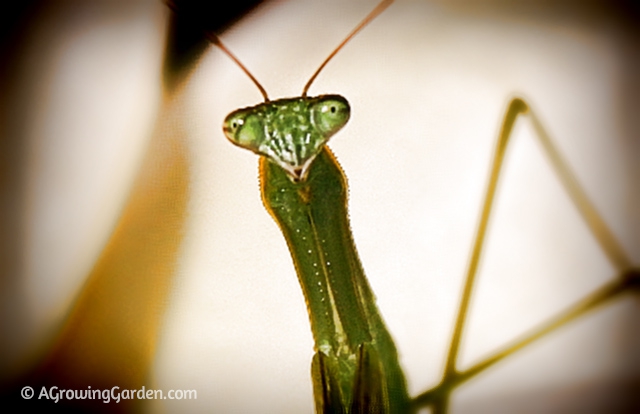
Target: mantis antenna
[
  {"x": 213, "y": 38},
  {"x": 294, "y": 137},
  {"x": 374, "y": 13}
]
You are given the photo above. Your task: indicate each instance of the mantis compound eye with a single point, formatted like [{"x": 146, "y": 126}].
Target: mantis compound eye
[
  {"x": 244, "y": 129},
  {"x": 330, "y": 114}
]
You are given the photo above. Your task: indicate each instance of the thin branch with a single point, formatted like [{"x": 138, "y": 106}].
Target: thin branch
[
  {"x": 626, "y": 281},
  {"x": 596, "y": 224},
  {"x": 516, "y": 107},
  {"x": 629, "y": 278}
]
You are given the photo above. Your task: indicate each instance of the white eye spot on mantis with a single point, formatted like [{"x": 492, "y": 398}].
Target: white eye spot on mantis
[
  {"x": 309, "y": 251},
  {"x": 328, "y": 263}
]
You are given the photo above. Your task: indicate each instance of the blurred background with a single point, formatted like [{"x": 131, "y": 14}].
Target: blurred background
[{"x": 136, "y": 251}]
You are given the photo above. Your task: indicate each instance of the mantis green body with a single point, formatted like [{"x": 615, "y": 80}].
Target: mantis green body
[{"x": 355, "y": 368}]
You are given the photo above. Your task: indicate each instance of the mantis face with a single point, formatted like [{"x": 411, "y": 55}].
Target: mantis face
[{"x": 290, "y": 132}]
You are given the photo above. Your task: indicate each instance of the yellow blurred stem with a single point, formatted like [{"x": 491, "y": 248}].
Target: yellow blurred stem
[{"x": 110, "y": 334}]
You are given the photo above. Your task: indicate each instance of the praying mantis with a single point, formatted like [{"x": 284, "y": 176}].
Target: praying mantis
[{"x": 393, "y": 152}]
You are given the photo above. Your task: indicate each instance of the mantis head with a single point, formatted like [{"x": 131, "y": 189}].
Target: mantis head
[{"x": 290, "y": 132}]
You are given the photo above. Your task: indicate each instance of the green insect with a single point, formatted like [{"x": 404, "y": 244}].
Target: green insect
[{"x": 355, "y": 367}]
